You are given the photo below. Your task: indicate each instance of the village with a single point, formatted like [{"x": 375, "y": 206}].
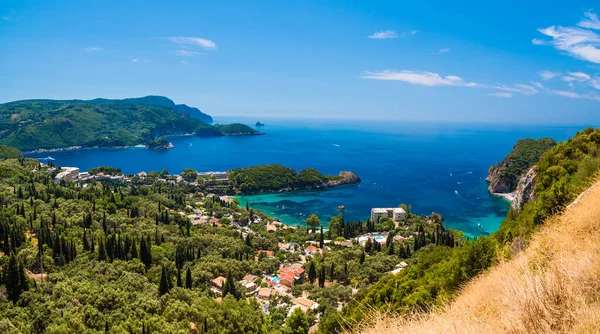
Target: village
[{"x": 298, "y": 251}]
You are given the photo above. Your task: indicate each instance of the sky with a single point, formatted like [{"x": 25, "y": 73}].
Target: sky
[{"x": 511, "y": 61}]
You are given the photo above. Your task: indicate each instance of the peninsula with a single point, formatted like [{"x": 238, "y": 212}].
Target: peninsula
[
  {"x": 278, "y": 178},
  {"x": 57, "y": 124}
]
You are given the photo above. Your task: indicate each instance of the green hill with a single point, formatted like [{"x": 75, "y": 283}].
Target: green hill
[
  {"x": 48, "y": 124},
  {"x": 237, "y": 129}
]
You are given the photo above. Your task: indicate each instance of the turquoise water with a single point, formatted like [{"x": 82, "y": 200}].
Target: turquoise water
[{"x": 433, "y": 167}]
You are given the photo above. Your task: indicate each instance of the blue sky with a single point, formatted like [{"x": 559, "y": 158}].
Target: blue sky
[{"x": 537, "y": 62}]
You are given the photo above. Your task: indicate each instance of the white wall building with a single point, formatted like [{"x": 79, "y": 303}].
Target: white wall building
[{"x": 396, "y": 214}]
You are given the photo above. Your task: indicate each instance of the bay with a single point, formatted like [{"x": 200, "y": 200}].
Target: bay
[{"x": 437, "y": 167}]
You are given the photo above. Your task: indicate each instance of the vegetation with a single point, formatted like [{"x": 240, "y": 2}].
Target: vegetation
[
  {"x": 8, "y": 152},
  {"x": 49, "y": 124},
  {"x": 237, "y": 129},
  {"x": 552, "y": 286},
  {"x": 159, "y": 144},
  {"x": 267, "y": 178},
  {"x": 106, "y": 170},
  {"x": 438, "y": 271},
  {"x": 524, "y": 155}
]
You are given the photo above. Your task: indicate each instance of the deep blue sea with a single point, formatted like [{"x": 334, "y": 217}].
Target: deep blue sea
[{"x": 433, "y": 167}]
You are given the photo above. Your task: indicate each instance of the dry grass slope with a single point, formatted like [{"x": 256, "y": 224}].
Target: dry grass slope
[{"x": 551, "y": 287}]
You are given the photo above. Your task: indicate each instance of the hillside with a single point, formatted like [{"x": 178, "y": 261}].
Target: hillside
[
  {"x": 551, "y": 287},
  {"x": 437, "y": 272},
  {"x": 50, "y": 124},
  {"x": 504, "y": 176}
]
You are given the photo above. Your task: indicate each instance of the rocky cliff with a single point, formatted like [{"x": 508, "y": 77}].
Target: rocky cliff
[{"x": 514, "y": 177}]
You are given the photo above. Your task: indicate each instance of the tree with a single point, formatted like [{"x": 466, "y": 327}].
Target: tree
[
  {"x": 321, "y": 241},
  {"x": 188, "y": 278},
  {"x": 16, "y": 279},
  {"x": 297, "y": 323},
  {"x": 179, "y": 282},
  {"x": 189, "y": 174},
  {"x": 312, "y": 272},
  {"x": 322, "y": 276},
  {"x": 313, "y": 221},
  {"x": 163, "y": 287},
  {"x": 362, "y": 257}
]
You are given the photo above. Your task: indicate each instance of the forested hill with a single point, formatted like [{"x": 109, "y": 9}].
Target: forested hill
[
  {"x": 48, "y": 124},
  {"x": 161, "y": 101}
]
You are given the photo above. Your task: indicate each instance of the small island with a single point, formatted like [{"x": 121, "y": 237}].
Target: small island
[
  {"x": 160, "y": 144},
  {"x": 259, "y": 124},
  {"x": 278, "y": 178}
]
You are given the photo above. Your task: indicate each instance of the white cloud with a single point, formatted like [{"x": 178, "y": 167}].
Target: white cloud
[
  {"x": 580, "y": 76},
  {"x": 579, "y": 42},
  {"x": 413, "y": 32},
  {"x": 444, "y": 50},
  {"x": 384, "y": 34},
  {"x": 194, "y": 41},
  {"x": 538, "y": 84},
  {"x": 547, "y": 75},
  {"x": 92, "y": 49},
  {"x": 187, "y": 53},
  {"x": 518, "y": 88},
  {"x": 591, "y": 21},
  {"x": 565, "y": 93},
  {"x": 184, "y": 62},
  {"x": 134, "y": 60},
  {"x": 595, "y": 83},
  {"x": 502, "y": 95},
  {"x": 419, "y": 78}
]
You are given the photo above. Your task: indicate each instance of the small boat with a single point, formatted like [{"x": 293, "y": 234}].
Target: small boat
[{"x": 341, "y": 207}]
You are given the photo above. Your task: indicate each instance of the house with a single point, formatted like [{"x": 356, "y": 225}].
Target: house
[
  {"x": 306, "y": 304},
  {"x": 311, "y": 249},
  {"x": 291, "y": 275},
  {"x": 142, "y": 174},
  {"x": 287, "y": 280},
  {"x": 347, "y": 243},
  {"x": 249, "y": 286},
  {"x": 266, "y": 293},
  {"x": 250, "y": 278},
  {"x": 396, "y": 214},
  {"x": 217, "y": 284},
  {"x": 399, "y": 239},
  {"x": 268, "y": 253},
  {"x": 270, "y": 228},
  {"x": 283, "y": 246}
]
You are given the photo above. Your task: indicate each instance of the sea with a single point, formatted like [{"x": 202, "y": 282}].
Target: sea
[{"x": 433, "y": 167}]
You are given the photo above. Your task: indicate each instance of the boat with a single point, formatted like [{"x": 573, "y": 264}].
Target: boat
[{"x": 341, "y": 207}]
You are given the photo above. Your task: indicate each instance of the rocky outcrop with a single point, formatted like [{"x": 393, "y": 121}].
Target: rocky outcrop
[
  {"x": 347, "y": 178},
  {"x": 524, "y": 192},
  {"x": 497, "y": 181}
]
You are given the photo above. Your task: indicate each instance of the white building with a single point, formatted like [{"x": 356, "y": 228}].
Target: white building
[
  {"x": 67, "y": 174},
  {"x": 396, "y": 214}
]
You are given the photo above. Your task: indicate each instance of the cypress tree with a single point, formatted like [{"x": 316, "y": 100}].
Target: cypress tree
[
  {"x": 86, "y": 245},
  {"x": 321, "y": 241},
  {"x": 362, "y": 257},
  {"x": 163, "y": 288},
  {"x": 188, "y": 278},
  {"x": 312, "y": 272},
  {"x": 179, "y": 283},
  {"x": 322, "y": 276},
  {"x": 13, "y": 282},
  {"x": 101, "y": 250},
  {"x": 332, "y": 273}
]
